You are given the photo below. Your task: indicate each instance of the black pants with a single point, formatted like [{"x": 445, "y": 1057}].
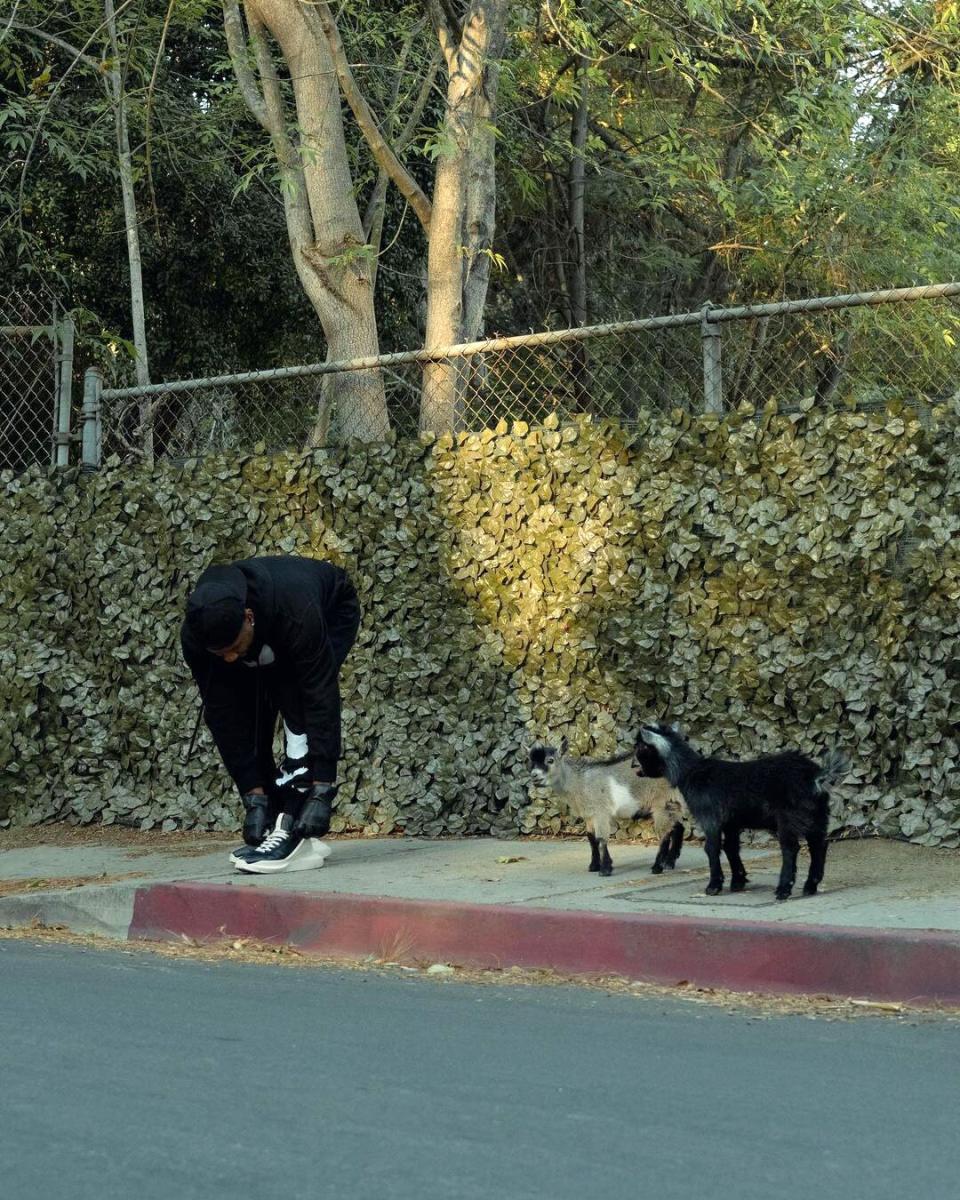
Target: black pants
[{"x": 274, "y": 692}]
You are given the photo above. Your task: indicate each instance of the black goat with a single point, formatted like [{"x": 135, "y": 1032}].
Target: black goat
[{"x": 782, "y": 793}]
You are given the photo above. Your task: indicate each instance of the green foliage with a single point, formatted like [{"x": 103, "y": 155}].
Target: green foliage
[
  {"x": 206, "y": 278},
  {"x": 735, "y": 151},
  {"x": 767, "y": 580}
]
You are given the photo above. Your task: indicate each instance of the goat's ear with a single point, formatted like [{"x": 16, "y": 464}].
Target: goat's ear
[{"x": 564, "y": 745}]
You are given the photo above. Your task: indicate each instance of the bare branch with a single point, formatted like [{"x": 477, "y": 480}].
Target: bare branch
[
  {"x": 410, "y": 128},
  {"x": 148, "y": 116},
  {"x": 448, "y": 33},
  {"x": 383, "y": 152},
  {"x": 237, "y": 45},
  {"x": 10, "y": 23},
  {"x": 296, "y": 207},
  {"x": 78, "y": 55}
]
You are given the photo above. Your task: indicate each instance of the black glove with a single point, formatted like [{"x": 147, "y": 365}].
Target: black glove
[
  {"x": 314, "y": 818},
  {"x": 256, "y": 822}
]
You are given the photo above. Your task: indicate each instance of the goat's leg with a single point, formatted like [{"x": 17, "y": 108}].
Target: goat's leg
[
  {"x": 661, "y": 831},
  {"x": 789, "y": 847},
  {"x": 817, "y": 844},
  {"x": 711, "y": 845},
  {"x": 669, "y": 850},
  {"x": 663, "y": 856},
  {"x": 676, "y": 844},
  {"x": 731, "y": 848},
  {"x": 601, "y": 827},
  {"x": 595, "y": 860}
]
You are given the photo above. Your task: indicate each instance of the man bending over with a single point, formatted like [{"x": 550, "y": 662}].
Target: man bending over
[{"x": 265, "y": 636}]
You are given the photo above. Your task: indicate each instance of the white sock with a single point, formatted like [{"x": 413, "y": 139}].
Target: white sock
[{"x": 296, "y": 743}]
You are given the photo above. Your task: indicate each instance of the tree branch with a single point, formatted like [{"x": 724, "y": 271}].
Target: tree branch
[
  {"x": 448, "y": 32},
  {"x": 382, "y": 150},
  {"x": 237, "y": 46},
  {"x": 148, "y": 117},
  {"x": 95, "y": 63}
]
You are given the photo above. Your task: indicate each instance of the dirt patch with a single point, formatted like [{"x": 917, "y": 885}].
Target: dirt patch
[
  {"x": 14, "y": 887},
  {"x": 145, "y": 841},
  {"x": 907, "y": 870},
  {"x": 180, "y": 842}
]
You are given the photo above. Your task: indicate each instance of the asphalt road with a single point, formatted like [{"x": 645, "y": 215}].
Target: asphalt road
[{"x": 138, "y": 1077}]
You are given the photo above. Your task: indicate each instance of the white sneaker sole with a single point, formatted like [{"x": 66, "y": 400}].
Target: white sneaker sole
[{"x": 308, "y": 856}]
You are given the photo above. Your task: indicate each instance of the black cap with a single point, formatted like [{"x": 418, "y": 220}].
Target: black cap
[{"x": 215, "y": 607}]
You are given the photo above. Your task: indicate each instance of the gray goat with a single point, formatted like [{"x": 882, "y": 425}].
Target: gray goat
[{"x": 603, "y": 791}]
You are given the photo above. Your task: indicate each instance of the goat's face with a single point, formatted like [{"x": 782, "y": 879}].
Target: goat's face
[
  {"x": 660, "y": 738},
  {"x": 646, "y": 762},
  {"x": 544, "y": 761}
]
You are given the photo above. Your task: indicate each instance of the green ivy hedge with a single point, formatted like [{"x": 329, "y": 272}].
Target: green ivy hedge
[{"x": 767, "y": 579}]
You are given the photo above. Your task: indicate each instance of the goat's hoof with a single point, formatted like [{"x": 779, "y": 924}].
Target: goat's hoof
[
  {"x": 670, "y": 863},
  {"x": 606, "y": 870},
  {"x": 783, "y": 893},
  {"x": 714, "y": 889},
  {"x": 810, "y": 889},
  {"x": 656, "y": 869},
  {"x": 738, "y": 885},
  {"x": 594, "y": 867}
]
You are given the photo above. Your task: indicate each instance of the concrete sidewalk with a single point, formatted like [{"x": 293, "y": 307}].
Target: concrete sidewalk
[{"x": 886, "y": 926}]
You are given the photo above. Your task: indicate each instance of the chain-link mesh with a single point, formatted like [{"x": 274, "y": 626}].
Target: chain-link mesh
[
  {"x": 209, "y": 418},
  {"x": 28, "y": 380},
  {"x": 860, "y": 351}
]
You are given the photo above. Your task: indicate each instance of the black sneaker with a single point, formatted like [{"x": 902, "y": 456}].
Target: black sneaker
[
  {"x": 242, "y": 853},
  {"x": 282, "y": 850}
]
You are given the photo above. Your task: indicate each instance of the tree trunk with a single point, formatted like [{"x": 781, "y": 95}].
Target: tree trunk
[
  {"x": 132, "y": 228},
  {"x": 323, "y": 222},
  {"x": 578, "y": 274},
  {"x": 462, "y": 221}
]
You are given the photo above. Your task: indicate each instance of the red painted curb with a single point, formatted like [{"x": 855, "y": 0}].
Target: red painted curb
[{"x": 877, "y": 964}]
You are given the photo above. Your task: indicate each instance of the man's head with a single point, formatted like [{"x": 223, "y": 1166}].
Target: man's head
[{"x": 217, "y": 613}]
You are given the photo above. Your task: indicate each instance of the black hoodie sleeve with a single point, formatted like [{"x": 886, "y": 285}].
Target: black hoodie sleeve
[{"x": 228, "y": 694}]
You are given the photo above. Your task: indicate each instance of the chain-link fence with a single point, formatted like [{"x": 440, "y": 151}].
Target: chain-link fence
[
  {"x": 860, "y": 350},
  {"x": 36, "y": 363}
]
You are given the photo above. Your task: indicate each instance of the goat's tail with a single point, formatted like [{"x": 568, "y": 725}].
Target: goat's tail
[{"x": 834, "y": 767}]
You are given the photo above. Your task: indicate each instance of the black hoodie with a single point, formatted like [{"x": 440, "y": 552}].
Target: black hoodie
[{"x": 291, "y": 599}]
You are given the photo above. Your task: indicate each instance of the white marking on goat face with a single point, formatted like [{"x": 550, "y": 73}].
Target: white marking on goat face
[
  {"x": 621, "y": 802},
  {"x": 657, "y": 741}
]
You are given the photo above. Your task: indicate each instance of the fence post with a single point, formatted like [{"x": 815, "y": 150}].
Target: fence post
[
  {"x": 61, "y": 448},
  {"x": 712, "y": 371},
  {"x": 92, "y": 387}
]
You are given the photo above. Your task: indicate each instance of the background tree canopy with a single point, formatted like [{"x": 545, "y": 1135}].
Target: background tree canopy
[{"x": 647, "y": 159}]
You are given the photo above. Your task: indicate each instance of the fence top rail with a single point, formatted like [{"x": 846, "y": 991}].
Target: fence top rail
[
  {"x": 25, "y": 330},
  {"x": 709, "y": 313}
]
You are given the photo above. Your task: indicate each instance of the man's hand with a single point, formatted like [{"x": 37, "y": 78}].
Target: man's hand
[
  {"x": 314, "y": 819},
  {"x": 255, "y": 821}
]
